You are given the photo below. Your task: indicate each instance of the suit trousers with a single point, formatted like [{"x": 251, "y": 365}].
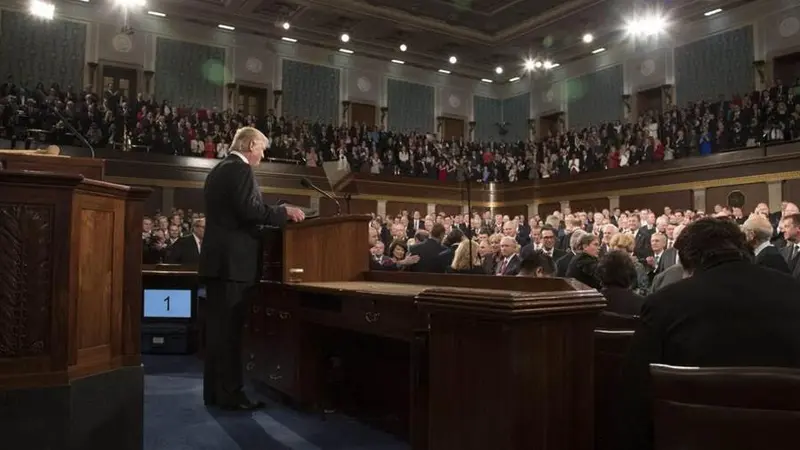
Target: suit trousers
[{"x": 226, "y": 309}]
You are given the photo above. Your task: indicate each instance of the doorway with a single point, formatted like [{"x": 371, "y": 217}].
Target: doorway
[
  {"x": 362, "y": 113},
  {"x": 785, "y": 68},
  {"x": 252, "y": 101},
  {"x": 649, "y": 100},
  {"x": 549, "y": 124},
  {"x": 453, "y": 128},
  {"x": 121, "y": 80}
]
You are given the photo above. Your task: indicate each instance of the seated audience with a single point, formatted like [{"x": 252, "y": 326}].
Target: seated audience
[
  {"x": 466, "y": 259},
  {"x": 618, "y": 275},
  {"x": 574, "y": 246},
  {"x": 509, "y": 259},
  {"x": 537, "y": 264},
  {"x": 672, "y": 274},
  {"x": 625, "y": 243},
  {"x": 729, "y": 312},
  {"x": 186, "y": 250}
]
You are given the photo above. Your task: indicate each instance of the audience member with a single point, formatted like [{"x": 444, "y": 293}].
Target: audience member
[{"x": 618, "y": 276}]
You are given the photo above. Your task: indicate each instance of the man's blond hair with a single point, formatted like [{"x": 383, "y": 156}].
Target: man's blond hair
[{"x": 244, "y": 136}]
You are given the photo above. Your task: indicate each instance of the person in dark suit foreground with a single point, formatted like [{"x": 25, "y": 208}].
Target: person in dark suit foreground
[
  {"x": 758, "y": 231},
  {"x": 186, "y": 250},
  {"x": 428, "y": 252},
  {"x": 229, "y": 263},
  {"x": 618, "y": 276},
  {"x": 730, "y": 312}
]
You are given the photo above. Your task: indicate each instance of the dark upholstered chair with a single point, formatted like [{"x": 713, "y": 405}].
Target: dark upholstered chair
[
  {"x": 732, "y": 408},
  {"x": 613, "y": 321},
  {"x": 610, "y": 347}
]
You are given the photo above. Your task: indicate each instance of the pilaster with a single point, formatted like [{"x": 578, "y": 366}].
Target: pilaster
[
  {"x": 699, "y": 199},
  {"x": 775, "y": 195}
]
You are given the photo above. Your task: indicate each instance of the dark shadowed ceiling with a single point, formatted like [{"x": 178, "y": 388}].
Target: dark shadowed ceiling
[{"x": 481, "y": 33}]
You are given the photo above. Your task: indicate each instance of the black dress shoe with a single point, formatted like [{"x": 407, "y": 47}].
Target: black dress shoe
[{"x": 246, "y": 405}]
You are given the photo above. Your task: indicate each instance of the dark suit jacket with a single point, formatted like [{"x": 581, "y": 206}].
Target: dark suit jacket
[
  {"x": 794, "y": 265},
  {"x": 563, "y": 263},
  {"x": 512, "y": 267},
  {"x": 583, "y": 267},
  {"x": 667, "y": 277},
  {"x": 622, "y": 301},
  {"x": 429, "y": 260},
  {"x": 771, "y": 257},
  {"x": 184, "y": 251},
  {"x": 734, "y": 314},
  {"x": 234, "y": 211}
]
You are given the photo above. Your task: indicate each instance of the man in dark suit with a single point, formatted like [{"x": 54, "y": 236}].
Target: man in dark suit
[
  {"x": 547, "y": 237},
  {"x": 662, "y": 258},
  {"x": 186, "y": 250},
  {"x": 730, "y": 312},
  {"x": 758, "y": 231},
  {"x": 791, "y": 252},
  {"x": 230, "y": 262},
  {"x": 428, "y": 252}
]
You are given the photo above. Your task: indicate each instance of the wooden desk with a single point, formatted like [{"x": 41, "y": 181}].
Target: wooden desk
[{"x": 449, "y": 362}]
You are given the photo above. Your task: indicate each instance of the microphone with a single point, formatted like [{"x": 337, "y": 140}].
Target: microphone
[
  {"x": 72, "y": 129},
  {"x": 306, "y": 183}
]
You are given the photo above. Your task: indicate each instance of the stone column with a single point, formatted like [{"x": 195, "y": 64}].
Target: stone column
[
  {"x": 564, "y": 205},
  {"x": 382, "y": 208},
  {"x": 148, "y": 83},
  {"x": 699, "y": 199},
  {"x": 533, "y": 209},
  {"x": 613, "y": 202},
  {"x": 277, "y": 104},
  {"x": 775, "y": 195},
  {"x": 384, "y": 117},
  {"x": 431, "y": 208},
  {"x": 167, "y": 200}
]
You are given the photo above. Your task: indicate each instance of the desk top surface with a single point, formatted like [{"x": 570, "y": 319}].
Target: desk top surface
[{"x": 367, "y": 287}]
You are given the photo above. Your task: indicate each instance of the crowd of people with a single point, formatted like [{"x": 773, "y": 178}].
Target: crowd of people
[{"x": 110, "y": 119}]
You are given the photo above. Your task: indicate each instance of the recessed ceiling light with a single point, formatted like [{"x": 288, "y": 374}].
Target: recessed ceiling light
[
  {"x": 513, "y": 79},
  {"x": 588, "y": 38},
  {"x": 537, "y": 64},
  {"x": 529, "y": 64},
  {"x": 345, "y": 37},
  {"x": 156, "y": 13},
  {"x": 403, "y": 47},
  {"x": 397, "y": 61},
  {"x": 498, "y": 70},
  {"x": 548, "y": 65},
  {"x": 286, "y": 25},
  {"x": 712, "y": 12},
  {"x": 345, "y": 50},
  {"x": 554, "y": 65},
  {"x": 453, "y": 60},
  {"x": 598, "y": 50},
  {"x": 42, "y": 10},
  {"x": 446, "y": 72},
  {"x": 486, "y": 80},
  {"x": 288, "y": 39},
  {"x": 226, "y": 27}
]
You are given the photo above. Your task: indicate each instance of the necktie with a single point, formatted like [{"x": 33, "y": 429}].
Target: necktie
[
  {"x": 502, "y": 267},
  {"x": 669, "y": 243},
  {"x": 658, "y": 258}
]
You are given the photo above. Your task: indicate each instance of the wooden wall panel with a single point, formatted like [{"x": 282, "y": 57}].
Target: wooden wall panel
[
  {"x": 299, "y": 200},
  {"x": 791, "y": 191},
  {"x": 546, "y": 209},
  {"x": 589, "y": 205},
  {"x": 450, "y": 210},
  {"x": 753, "y": 194},
  {"x": 363, "y": 113},
  {"x": 155, "y": 201},
  {"x": 657, "y": 201},
  {"x": 357, "y": 206},
  {"x": 394, "y": 208},
  {"x": 189, "y": 198}
]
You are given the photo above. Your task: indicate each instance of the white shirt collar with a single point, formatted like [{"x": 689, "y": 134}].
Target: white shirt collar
[
  {"x": 198, "y": 242},
  {"x": 762, "y": 246},
  {"x": 241, "y": 156}
]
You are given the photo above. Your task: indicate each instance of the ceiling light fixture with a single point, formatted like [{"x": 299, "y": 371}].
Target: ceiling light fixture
[
  {"x": 226, "y": 27},
  {"x": 288, "y": 39},
  {"x": 403, "y": 47},
  {"x": 42, "y": 10},
  {"x": 598, "y": 50},
  {"x": 529, "y": 64},
  {"x": 513, "y": 79},
  {"x": 498, "y": 70},
  {"x": 156, "y": 13},
  {"x": 446, "y": 72},
  {"x": 346, "y": 50},
  {"x": 537, "y": 64},
  {"x": 646, "y": 26},
  {"x": 345, "y": 37},
  {"x": 286, "y": 25},
  {"x": 486, "y": 80},
  {"x": 712, "y": 12},
  {"x": 453, "y": 60},
  {"x": 588, "y": 38},
  {"x": 554, "y": 65},
  {"x": 397, "y": 61},
  {"x": 548, "y": 65}
]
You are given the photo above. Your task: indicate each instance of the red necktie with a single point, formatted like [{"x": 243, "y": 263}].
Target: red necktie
[{"x": 503, "y": 267}]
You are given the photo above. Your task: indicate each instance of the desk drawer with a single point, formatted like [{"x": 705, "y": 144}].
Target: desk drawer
[{"x": 390, "y": 318}]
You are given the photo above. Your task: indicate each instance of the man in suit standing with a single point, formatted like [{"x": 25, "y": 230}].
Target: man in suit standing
[
  {"x": 230, "y": 263},
  {"x": 510, "y": 262},
  {"x": 186, "y": 250},
  {"x": 663, "y": 258},
  {"x": 758, "y": 231},
  {"x": 428, "y": 252},
  {"x": 791, "y": 233}
]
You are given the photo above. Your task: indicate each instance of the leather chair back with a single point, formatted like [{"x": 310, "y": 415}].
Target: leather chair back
[
  {"x": 613, "y": 321},
  {"x": 610, "y": 347},
  {"x": 731, "y": 408}
]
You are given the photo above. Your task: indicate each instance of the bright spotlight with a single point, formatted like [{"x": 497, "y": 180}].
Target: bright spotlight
[
  {"x": 498, "y": 70},
  {"x": 647, "y": 26},
  {"x": 548, "y": 65},
  {"x": 286, "y": 25},
  {"x": 588, "y": 38},
  {"x": 345, "y": 37},
  {"x": 42, "y": 10},
  {"x": 403, "y": 47},
  {"x": 529, "y": 64},
  {"x": 537, "y": 64},
  {"x": 453, "y": 60},
  {"x": 130, "y": 4}
]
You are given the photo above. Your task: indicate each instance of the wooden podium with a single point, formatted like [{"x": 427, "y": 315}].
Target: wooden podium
[{"x": 70, "y": 311}]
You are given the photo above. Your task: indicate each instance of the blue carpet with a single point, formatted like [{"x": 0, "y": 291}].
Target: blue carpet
[{"x": 175, "y": 419}]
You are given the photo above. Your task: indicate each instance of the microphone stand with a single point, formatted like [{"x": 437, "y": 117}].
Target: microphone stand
[
  {"x": 307, "y": 183},
  {"x": 73, "y": 130}
]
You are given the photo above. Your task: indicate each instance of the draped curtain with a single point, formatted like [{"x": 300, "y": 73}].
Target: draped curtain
[
  {"x": 34, "y": 50},
  {"x": 310, "y": 91},
  {"x": 595, "y": 97},
  {"x": 488, "y": 112},
  {"x": 719, "y": 65},
  {"x": 189, "y": 75},
  {"x": 515, "y": 113},
  {"x": 410, "y": 106}
]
